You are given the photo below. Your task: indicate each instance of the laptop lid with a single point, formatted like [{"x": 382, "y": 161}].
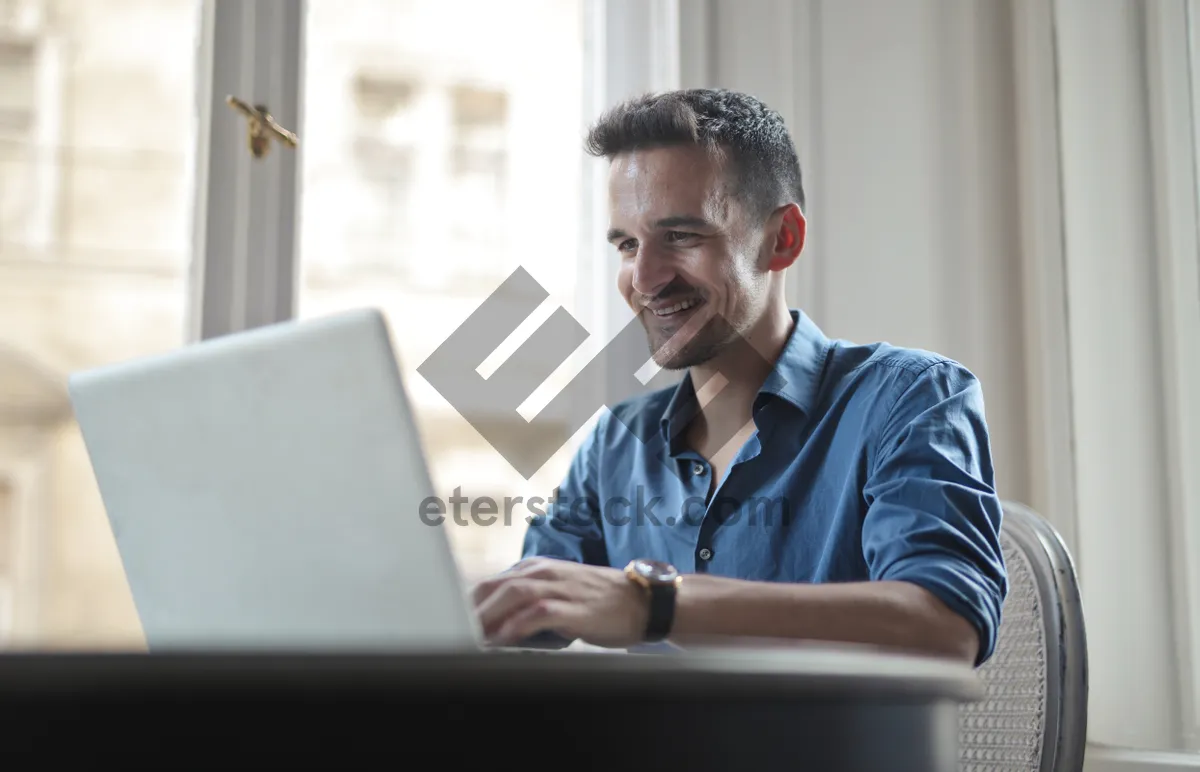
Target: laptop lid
[{"x": 264, "y": 491}]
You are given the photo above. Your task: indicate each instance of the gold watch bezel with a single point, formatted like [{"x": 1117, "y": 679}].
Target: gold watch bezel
[{"x": 632, "y": 574}]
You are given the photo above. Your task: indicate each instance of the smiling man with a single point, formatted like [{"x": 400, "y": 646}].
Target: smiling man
[{"x": 881, "y": 518}]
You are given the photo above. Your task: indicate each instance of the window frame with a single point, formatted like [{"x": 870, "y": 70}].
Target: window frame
[
  {"x": 632, "y": 47},
  {"x": 244, "y": 268}
]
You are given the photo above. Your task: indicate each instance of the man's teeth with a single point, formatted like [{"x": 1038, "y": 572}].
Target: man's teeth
[{"x": 683, "y": 306}]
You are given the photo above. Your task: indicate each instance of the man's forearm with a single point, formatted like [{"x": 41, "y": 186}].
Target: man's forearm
[{"x": 897, "y": 615}]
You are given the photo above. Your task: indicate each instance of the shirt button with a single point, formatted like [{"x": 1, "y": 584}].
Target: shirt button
[
  {"x": 698, "y": 469},
  {"x": 706, "y": 554}
]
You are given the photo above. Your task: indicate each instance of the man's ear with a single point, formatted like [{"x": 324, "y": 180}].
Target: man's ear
[{"x": 790, "y": 231}]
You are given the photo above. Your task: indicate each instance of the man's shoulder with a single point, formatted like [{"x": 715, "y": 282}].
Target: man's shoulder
[{"x": 891, "y": 367}]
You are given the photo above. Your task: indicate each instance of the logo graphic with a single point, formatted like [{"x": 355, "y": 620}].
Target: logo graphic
[{"x": 491, "y": 404}]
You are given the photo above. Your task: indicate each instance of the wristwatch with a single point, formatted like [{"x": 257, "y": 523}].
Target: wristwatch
[{"x": 660, "y": 581}]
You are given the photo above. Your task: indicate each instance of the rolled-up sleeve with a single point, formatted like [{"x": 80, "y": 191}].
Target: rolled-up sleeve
[
  {"x": 571, "y": 527},
  {"x": 933, "y": 514}
]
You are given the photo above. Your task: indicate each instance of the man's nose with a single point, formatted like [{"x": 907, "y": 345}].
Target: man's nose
[{"x": 652, "y": 272}]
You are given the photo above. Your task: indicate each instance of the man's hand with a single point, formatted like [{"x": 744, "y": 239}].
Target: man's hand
[{"x": 596, "y": 604}]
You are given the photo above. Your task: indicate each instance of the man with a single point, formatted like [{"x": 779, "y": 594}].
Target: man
[{"x": 875, "y": 458}]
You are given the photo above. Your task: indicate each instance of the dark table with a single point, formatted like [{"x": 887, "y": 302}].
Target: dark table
[{"x": 745, "y": 709}]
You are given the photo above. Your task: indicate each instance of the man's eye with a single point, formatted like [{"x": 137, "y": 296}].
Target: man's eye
[
  {"x": 679, "y": 236},
  {"x": 627, "y": 245}
]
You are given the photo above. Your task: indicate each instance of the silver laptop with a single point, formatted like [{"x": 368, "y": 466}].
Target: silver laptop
[{"x": 264, "y": 490}]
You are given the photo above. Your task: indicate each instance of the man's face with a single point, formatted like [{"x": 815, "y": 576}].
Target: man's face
[{"x": 691, "y": 260}]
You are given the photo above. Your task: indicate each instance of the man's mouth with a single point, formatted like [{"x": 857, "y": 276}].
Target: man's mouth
[{"x": 676, "y": 308}]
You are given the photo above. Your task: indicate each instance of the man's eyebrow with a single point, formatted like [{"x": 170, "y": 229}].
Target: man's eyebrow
[
  {"x": 674, "y": 221},
  {"x": 683, "y": 221}
]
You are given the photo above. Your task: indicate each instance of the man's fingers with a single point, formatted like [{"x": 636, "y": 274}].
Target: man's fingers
[
  {"x": 542, "y": 615},
  {"x": 533, "y": 568},
  {"x": 484, "y": 589},
  {"x": 512, "y": 596}
]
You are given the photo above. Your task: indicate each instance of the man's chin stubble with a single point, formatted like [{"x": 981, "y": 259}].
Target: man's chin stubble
[
  {"x": 682, "y": 350},
  {"x": 691, "y": 354}
]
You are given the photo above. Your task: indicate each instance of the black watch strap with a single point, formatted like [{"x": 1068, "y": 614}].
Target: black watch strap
[{"x": 662, "y": 612}]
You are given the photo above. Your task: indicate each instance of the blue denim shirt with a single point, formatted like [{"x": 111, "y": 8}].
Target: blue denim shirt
[{"x": 870, "y": 462}]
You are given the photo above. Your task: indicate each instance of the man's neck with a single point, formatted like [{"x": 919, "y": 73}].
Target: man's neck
[{"x": 737, "y": 374}]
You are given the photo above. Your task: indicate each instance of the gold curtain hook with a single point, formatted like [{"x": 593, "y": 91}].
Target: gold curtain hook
[{"x": 262, "y": 128}]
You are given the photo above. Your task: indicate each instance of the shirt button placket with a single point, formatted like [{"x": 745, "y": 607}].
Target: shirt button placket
[{"x": 699, "y": 475}]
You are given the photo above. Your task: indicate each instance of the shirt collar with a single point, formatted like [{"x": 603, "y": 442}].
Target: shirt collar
[{"x": 795, "y": 378}]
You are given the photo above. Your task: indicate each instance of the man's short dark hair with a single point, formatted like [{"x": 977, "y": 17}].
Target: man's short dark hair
[{"x": 739, "y": 128}]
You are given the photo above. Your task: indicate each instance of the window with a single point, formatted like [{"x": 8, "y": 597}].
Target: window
[
  {"x": 409, "y": 115},
  {"x": 428, "y": 160},
  {"x": 467, "y": 163},
  {"x": 24, "y": 196},
  {"x": 96, "y": 144},
  {"x": 385, "y": 155},
  {"x": 478, "y": 167}
]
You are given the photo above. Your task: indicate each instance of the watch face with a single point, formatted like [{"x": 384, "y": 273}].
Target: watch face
[{"x": 655, "y": 571}]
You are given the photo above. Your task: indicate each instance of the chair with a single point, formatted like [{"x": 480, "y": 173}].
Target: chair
[{"x": 1034, "y": 715}]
